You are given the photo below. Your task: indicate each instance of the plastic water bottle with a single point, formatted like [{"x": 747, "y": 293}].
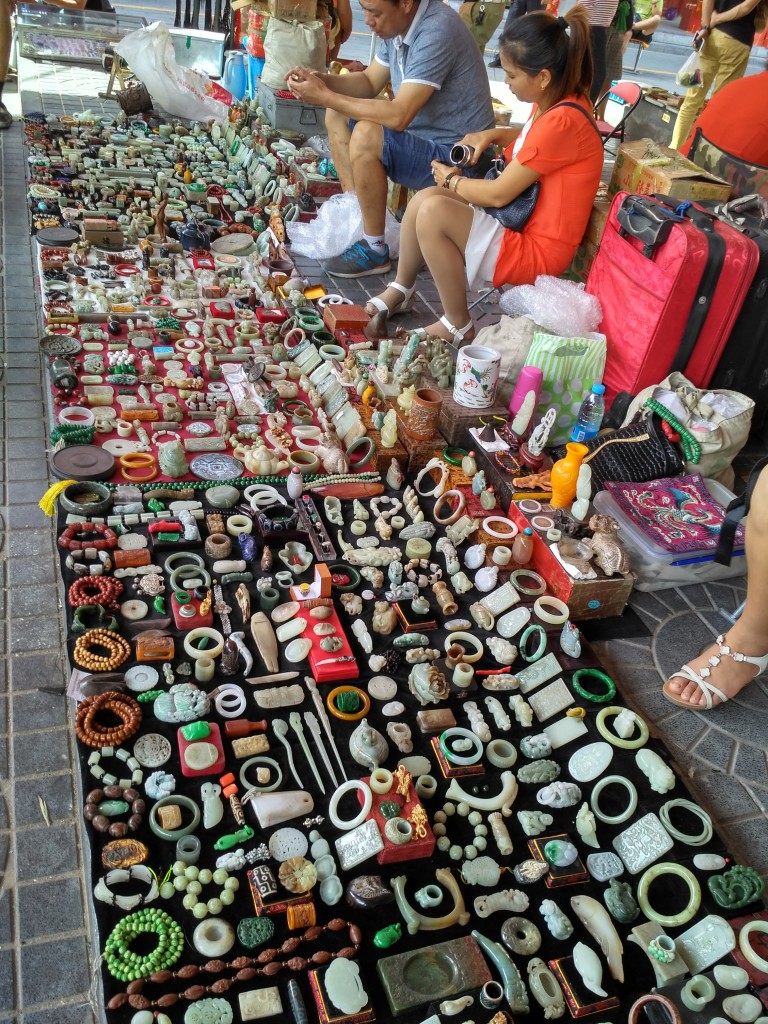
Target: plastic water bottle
[{"x": 590, "y": 415}]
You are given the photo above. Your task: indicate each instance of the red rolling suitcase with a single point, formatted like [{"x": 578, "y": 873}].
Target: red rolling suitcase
[
  {"x": 743, "y": 365},
  {"x": 671, "y": 280}
]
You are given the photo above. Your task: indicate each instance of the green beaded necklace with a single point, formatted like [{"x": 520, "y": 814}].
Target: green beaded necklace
[
  {"x": 127, "y": 966},
  {"x": 689, "y": 444}
]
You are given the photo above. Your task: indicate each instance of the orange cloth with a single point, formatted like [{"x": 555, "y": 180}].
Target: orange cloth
[
  {"x": 567, "y": 152},
  {"x": 736, "y": 120}
]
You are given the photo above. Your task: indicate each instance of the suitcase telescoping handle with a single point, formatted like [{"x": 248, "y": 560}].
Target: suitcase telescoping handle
[{"x": 641, "y": 218}]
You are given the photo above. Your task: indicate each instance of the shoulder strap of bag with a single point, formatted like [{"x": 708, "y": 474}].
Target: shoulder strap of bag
[
  {"x": 735, "y": 512},
  {"x": 577, "y": 106}
]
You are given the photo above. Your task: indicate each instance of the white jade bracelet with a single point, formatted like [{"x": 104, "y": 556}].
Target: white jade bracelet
[
  {"x": 509, "y": 534},
  {"x": 560, "y": 608},
  {"x": 349, "y": 787}
]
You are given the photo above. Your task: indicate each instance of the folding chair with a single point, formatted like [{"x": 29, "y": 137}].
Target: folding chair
[
  {"x": 622, "y": 98},
  {"x": 640, "y": 46}
]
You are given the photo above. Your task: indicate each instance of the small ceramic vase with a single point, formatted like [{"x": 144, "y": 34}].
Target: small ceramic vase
[{"x": 565, "y": 473}]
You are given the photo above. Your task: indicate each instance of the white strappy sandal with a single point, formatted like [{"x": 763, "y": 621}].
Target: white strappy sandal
[
  {"x": 701, "y": 678},
  {"x": 377, "y": 325},
  {"x": 458, "y": 334}
]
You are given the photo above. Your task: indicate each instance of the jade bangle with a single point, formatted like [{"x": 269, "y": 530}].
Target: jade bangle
[
  {"x": 694, "y": 890},
  {"x": 188, "y": 572},
  {"x": 460, "y": 637},
  {"x": 617, "y": 741},
  {"x": 188, "y": 558},
  {"x": 746, "y": 947},
  {"x": 178, "y": 833},
  {"x": 367, "y": 455},
  {"x": 454, "y": 455},
  {"x": 631, "y": 807},
  {"x": 527, "y": 633},
  {"x": 271, "y": 764},
  {"x": 594, "y": 673},
  {"x": 464, "y": 734},
  {"x": 702, "y": 838},
  {"x": 330, "y": 352},
  {"x": 210, "y": 634}
]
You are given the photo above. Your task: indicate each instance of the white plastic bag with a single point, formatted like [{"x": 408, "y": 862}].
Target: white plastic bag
[
  {"x": 560, "y": 306},
  {"x": 290, "y": 44},
  {"x": 338, "y": 224},
  {"x": 690, "y": 75},
  {"x": 179, "y": 91}
]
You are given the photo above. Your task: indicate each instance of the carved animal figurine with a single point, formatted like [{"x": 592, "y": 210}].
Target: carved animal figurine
[
  {"x": 609, "y": 554},
  {"x": 512, "y": 900},
  {"x": 428, "y": 684},
  {"x": 587, "y": 963}
]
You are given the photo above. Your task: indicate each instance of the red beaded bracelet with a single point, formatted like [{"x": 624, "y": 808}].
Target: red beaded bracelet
[
  {"x": 104, "y": 590},
  {"x": 70, "y": 537}
]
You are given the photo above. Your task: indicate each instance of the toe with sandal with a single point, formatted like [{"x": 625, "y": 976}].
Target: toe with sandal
[
  {"x": 377, "y": 326},
  {"x": 701, "y": 678}
]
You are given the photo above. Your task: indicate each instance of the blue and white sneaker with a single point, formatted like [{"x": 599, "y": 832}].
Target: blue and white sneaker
[{"x": 359, "y": 260}]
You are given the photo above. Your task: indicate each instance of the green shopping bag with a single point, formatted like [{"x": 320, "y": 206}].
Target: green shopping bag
[{"x": 570, "y": 366}]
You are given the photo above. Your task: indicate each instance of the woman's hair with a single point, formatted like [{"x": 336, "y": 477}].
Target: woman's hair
[{"x": 539, "y": 41}]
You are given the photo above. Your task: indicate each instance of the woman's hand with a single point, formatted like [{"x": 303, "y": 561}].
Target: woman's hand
[
  {"x": 441, "y": 171},
  {"x": 479, "y": 142}
]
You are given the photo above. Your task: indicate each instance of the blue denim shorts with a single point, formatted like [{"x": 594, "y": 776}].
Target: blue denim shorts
[{"x": 407, "y": 158}]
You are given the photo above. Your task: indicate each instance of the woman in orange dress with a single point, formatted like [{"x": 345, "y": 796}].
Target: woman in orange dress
[{"x": 547, "y": 63}]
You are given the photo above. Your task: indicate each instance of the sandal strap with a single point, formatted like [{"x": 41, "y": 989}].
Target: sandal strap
[
  {"x": 405, "y": 292},
  {"x": 725, "y": 650},
  {"x": 708, "y": 689},
  {"x": 458, "y": 333}
]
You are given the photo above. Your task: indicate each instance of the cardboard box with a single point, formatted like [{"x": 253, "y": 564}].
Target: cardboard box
[
  {"x": 585, "y": 254},
  {"x": 644, "y": 167}
]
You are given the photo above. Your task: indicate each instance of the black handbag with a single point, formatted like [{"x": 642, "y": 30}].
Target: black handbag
[
  {"x": 634, "y": 454},
  {"x": 514, "y": 215}
]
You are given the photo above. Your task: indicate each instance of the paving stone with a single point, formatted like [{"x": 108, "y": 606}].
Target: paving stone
[
  {"x": 23, "y": 572},
  {"x": 26, "y": 448},
  {"x": 631, "y": 679},
  {"x": 723, "y": 795},
  {"x": 50, "y": 908},
  {"x": 749, "y": 841},
  {"x": 750, "y": 765},
  {"x": 716, "y": 749},
  {"x": 76, "y": 1013},
  {"x": 7, "y": 987},
  {"x": 32, "y": 670},
  {"x": 23, "y": 360},
  {"x": 667, "y": 648},
  {"x": 44, "y": 851},
  {"x": 38, "y": 753},
  {"x": 33, "y": 709},
  {"x": 34, "y": 634},
  {"x": 15, "y": 375},
  {"x": 32, "y": 601},
  {"x": 681, "y": 728},
  {"x": 26, "y": 517},
  {"x": 56, "y": 790},
  {"x": 31, "y": 544},
  {"x": 22, "y": 492},
  {"x": 6, "y": 920},
  {"x": 32, "y": 469},
  {"x": 27, "y": 426},
  {"x": 54, "y": 970}
]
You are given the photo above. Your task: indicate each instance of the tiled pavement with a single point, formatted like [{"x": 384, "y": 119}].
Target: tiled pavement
[{"x": 45, "y": 955}]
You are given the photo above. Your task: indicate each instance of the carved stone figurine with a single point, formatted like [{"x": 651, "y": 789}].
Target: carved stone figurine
[
  {"x": 172, "y": 459},
  {"x": 609, "y": 554}
]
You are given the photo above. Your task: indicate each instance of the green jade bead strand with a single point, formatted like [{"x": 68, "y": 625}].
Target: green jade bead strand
[
  {"x": 315, "y": 480},
  {"x": 127, "y": 966}
]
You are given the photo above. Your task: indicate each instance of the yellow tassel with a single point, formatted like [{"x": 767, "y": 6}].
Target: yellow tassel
[{"x": 48, "y": 500}]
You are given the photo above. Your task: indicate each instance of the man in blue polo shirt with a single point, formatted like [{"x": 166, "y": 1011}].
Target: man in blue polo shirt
[{"x": 440, "y": 88}]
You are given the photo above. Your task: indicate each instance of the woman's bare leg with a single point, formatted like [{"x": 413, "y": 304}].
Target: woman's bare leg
[{"x": 749, "y": 635}]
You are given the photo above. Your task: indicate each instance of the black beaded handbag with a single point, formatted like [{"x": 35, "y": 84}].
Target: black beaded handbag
[{"x": 635, "y": 453}]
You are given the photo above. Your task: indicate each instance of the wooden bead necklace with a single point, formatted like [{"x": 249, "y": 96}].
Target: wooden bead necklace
[
  {"x": 247, "y": 968},
  {"x": 93, "y": 735},
  {"x": 101, "y": 822},
  {"x": 119, "y": 650}
]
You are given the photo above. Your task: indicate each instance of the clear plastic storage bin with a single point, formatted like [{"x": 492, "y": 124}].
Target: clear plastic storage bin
[{"x": 658, "y": 569}]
